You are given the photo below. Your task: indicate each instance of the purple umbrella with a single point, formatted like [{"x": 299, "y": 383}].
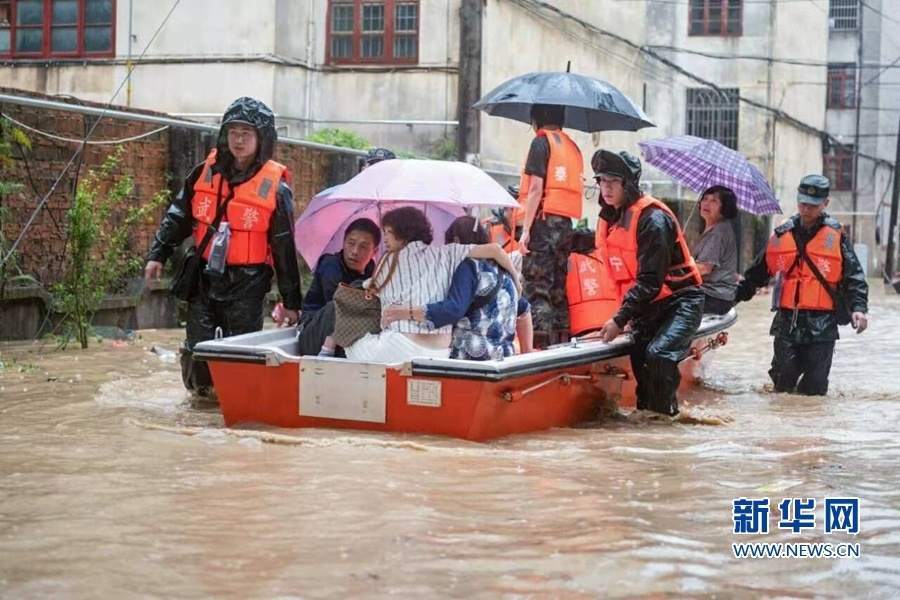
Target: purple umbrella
[
  {"x": 443, "y": 190},
  {"x": 700, "y": 164}
]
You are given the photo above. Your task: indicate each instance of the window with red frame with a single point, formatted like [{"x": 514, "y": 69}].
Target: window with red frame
[
  {"x": 838, "y": 168},
  {"x": 56, "y": 28},
  {"x": 716, "y": 17},
  {"x": 373, "y": 31},
  {"x": 841, "y": 86}
]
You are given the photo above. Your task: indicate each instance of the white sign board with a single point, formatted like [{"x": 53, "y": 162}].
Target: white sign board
[
  {"x": 340, "y": 389},
  {"x": 422, "y": 392}
]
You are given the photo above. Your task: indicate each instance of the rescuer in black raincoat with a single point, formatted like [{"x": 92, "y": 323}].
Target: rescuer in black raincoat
[
  {"x": 234, "y": 299},
  {"x": 805, "y": 326},
  {"x": 653, "y": 267}
]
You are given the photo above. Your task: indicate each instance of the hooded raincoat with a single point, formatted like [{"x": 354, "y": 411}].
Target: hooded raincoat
[{"x": 234, "y": 300}]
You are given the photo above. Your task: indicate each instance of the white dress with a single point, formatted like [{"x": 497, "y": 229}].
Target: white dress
[{"x": 423, "y": 276}]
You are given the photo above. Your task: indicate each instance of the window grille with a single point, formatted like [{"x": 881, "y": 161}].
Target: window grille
[
  {"x": 713, "y": 115},
  {"x": 843, "y": 14}
]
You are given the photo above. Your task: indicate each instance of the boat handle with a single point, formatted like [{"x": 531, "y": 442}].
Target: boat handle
[
  {"x": 566, "y": 379},
  {"x": 711, "y": 344}
]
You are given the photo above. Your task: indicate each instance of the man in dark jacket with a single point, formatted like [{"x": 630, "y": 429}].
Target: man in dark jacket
[
  {"x": 353, "y": 263},
  {"x": 805, "y": 326},
  {"x": 658, "y": 282},
  {"x": 240, "y": 181}
]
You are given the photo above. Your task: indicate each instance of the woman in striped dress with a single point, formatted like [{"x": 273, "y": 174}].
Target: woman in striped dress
[{"x": 422, "y": 276}]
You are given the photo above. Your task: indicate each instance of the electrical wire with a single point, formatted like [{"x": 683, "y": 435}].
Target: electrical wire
[{"x": 87, "y": 136}]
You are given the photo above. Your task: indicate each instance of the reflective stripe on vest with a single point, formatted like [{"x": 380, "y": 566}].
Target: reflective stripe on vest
[
  {"x": 563, "y": 189},
  {"x": 248, "y": 213},
  {"x": 591, "y": 292},
  {"x": 800, "y": 288},
  {"x": 622, "y": 249}
]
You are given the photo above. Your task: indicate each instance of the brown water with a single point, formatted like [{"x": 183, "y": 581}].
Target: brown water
[{"x": 110, "y": 486}]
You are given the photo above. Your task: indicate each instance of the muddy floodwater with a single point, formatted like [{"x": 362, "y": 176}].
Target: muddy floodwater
[{"x": 112, "y": 486}]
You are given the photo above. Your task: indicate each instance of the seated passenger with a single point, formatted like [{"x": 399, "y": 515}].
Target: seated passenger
[
  {"x": 715, "y": 252},
  {"x": 353, "y": 263},
  {"x": 483, "y": 305},
  {"x": 422, "y": 276}
]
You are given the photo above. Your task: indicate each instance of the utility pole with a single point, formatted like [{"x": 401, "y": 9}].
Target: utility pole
[
  {"x": 468, "y": 134},
  {"x": 889, "y": 263},
  {"x": 859, "y": 89}
]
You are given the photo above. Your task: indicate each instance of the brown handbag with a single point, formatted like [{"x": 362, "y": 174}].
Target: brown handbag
[{"x": 357, "y": 311}]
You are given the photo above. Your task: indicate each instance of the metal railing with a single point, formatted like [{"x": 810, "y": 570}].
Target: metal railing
[{"x": 155, "y": 119}]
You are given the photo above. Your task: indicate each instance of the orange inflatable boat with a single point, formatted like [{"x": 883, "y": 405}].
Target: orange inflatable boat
[{"x": 259, "y": 378}]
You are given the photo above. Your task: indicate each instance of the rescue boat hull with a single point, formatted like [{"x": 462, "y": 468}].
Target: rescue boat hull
[{"x": 258, "y": 379}]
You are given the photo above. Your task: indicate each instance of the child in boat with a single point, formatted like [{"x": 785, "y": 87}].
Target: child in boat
[
  {"x": 423, "y": 276},
  {"x": 483, "y": 305}
]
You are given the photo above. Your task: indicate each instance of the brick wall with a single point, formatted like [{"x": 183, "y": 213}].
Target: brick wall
[{"x": 158, "y": 162}]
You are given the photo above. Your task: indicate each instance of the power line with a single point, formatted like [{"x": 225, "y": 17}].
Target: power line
[
  {"x": 881, "y": 72},
  {"x": 87, "y": 136},
  {"x": 877, "y": 12},
  {"x": 786, "y": 61},
  {"x": 538, "y": 5}
]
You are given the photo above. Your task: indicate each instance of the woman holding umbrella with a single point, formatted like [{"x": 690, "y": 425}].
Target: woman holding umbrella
[{"x": 716, "y": 250}]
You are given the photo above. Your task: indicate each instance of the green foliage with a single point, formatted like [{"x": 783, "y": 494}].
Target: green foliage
[
  {"x": 444, "y": 148},
  {"x": 339, "y": 137},
  {"x": 10, "y": 137},
  {"x": 100, "y": 226}
]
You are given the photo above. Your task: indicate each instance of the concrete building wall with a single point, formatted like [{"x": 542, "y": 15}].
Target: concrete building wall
[
  {"x": 782, "y": 152},
  {"x": 877, "y": 116},
  {"x": 275, "y": 50},
  {"x": 207, "y": 56},
  {"x": 505, "y": 143}
]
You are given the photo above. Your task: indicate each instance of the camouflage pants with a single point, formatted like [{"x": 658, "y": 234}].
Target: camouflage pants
[{"x": 545, "y": 270}]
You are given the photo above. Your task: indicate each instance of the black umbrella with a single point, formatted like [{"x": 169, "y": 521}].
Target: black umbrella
[{"x": 590, "y": 104}]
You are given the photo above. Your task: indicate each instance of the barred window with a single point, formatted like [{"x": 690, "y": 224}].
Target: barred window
[
  {"x": 843, "y": 14},
  {"x": 841, "y": 86},
  {"x": 713, "y": 115},
  {"x": 373, "y": 31},
  {"x": 716, "y": 17},
  {"x": 56, "y": 28},
  {"x": 837, "y": 165}
]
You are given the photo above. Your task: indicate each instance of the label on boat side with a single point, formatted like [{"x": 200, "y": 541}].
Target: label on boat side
[
  {"x": 422, "y": 392},
  {"x": 342, "y": 390}
]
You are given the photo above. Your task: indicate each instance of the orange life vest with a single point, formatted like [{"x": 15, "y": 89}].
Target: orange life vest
[
  {"x": 499, "y": 235},
  {"x": 622, "y": 249},
  {"x": 591, "y": 291},
  {"x": 800, "y": 288},
  {"x": 563, "y": 188},
  {"x": 248, "y": 213}
]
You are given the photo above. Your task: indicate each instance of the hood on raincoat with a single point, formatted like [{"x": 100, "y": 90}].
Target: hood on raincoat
[{"x": 251, "y": 112}]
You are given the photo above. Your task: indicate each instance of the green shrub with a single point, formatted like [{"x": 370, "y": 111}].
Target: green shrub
[
  {"x": 98, "y": 251},
  {"x": 339, "y": 137}
]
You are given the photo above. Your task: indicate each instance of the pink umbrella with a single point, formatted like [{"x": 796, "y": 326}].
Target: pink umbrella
[{"x": 443, "y": 190}]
